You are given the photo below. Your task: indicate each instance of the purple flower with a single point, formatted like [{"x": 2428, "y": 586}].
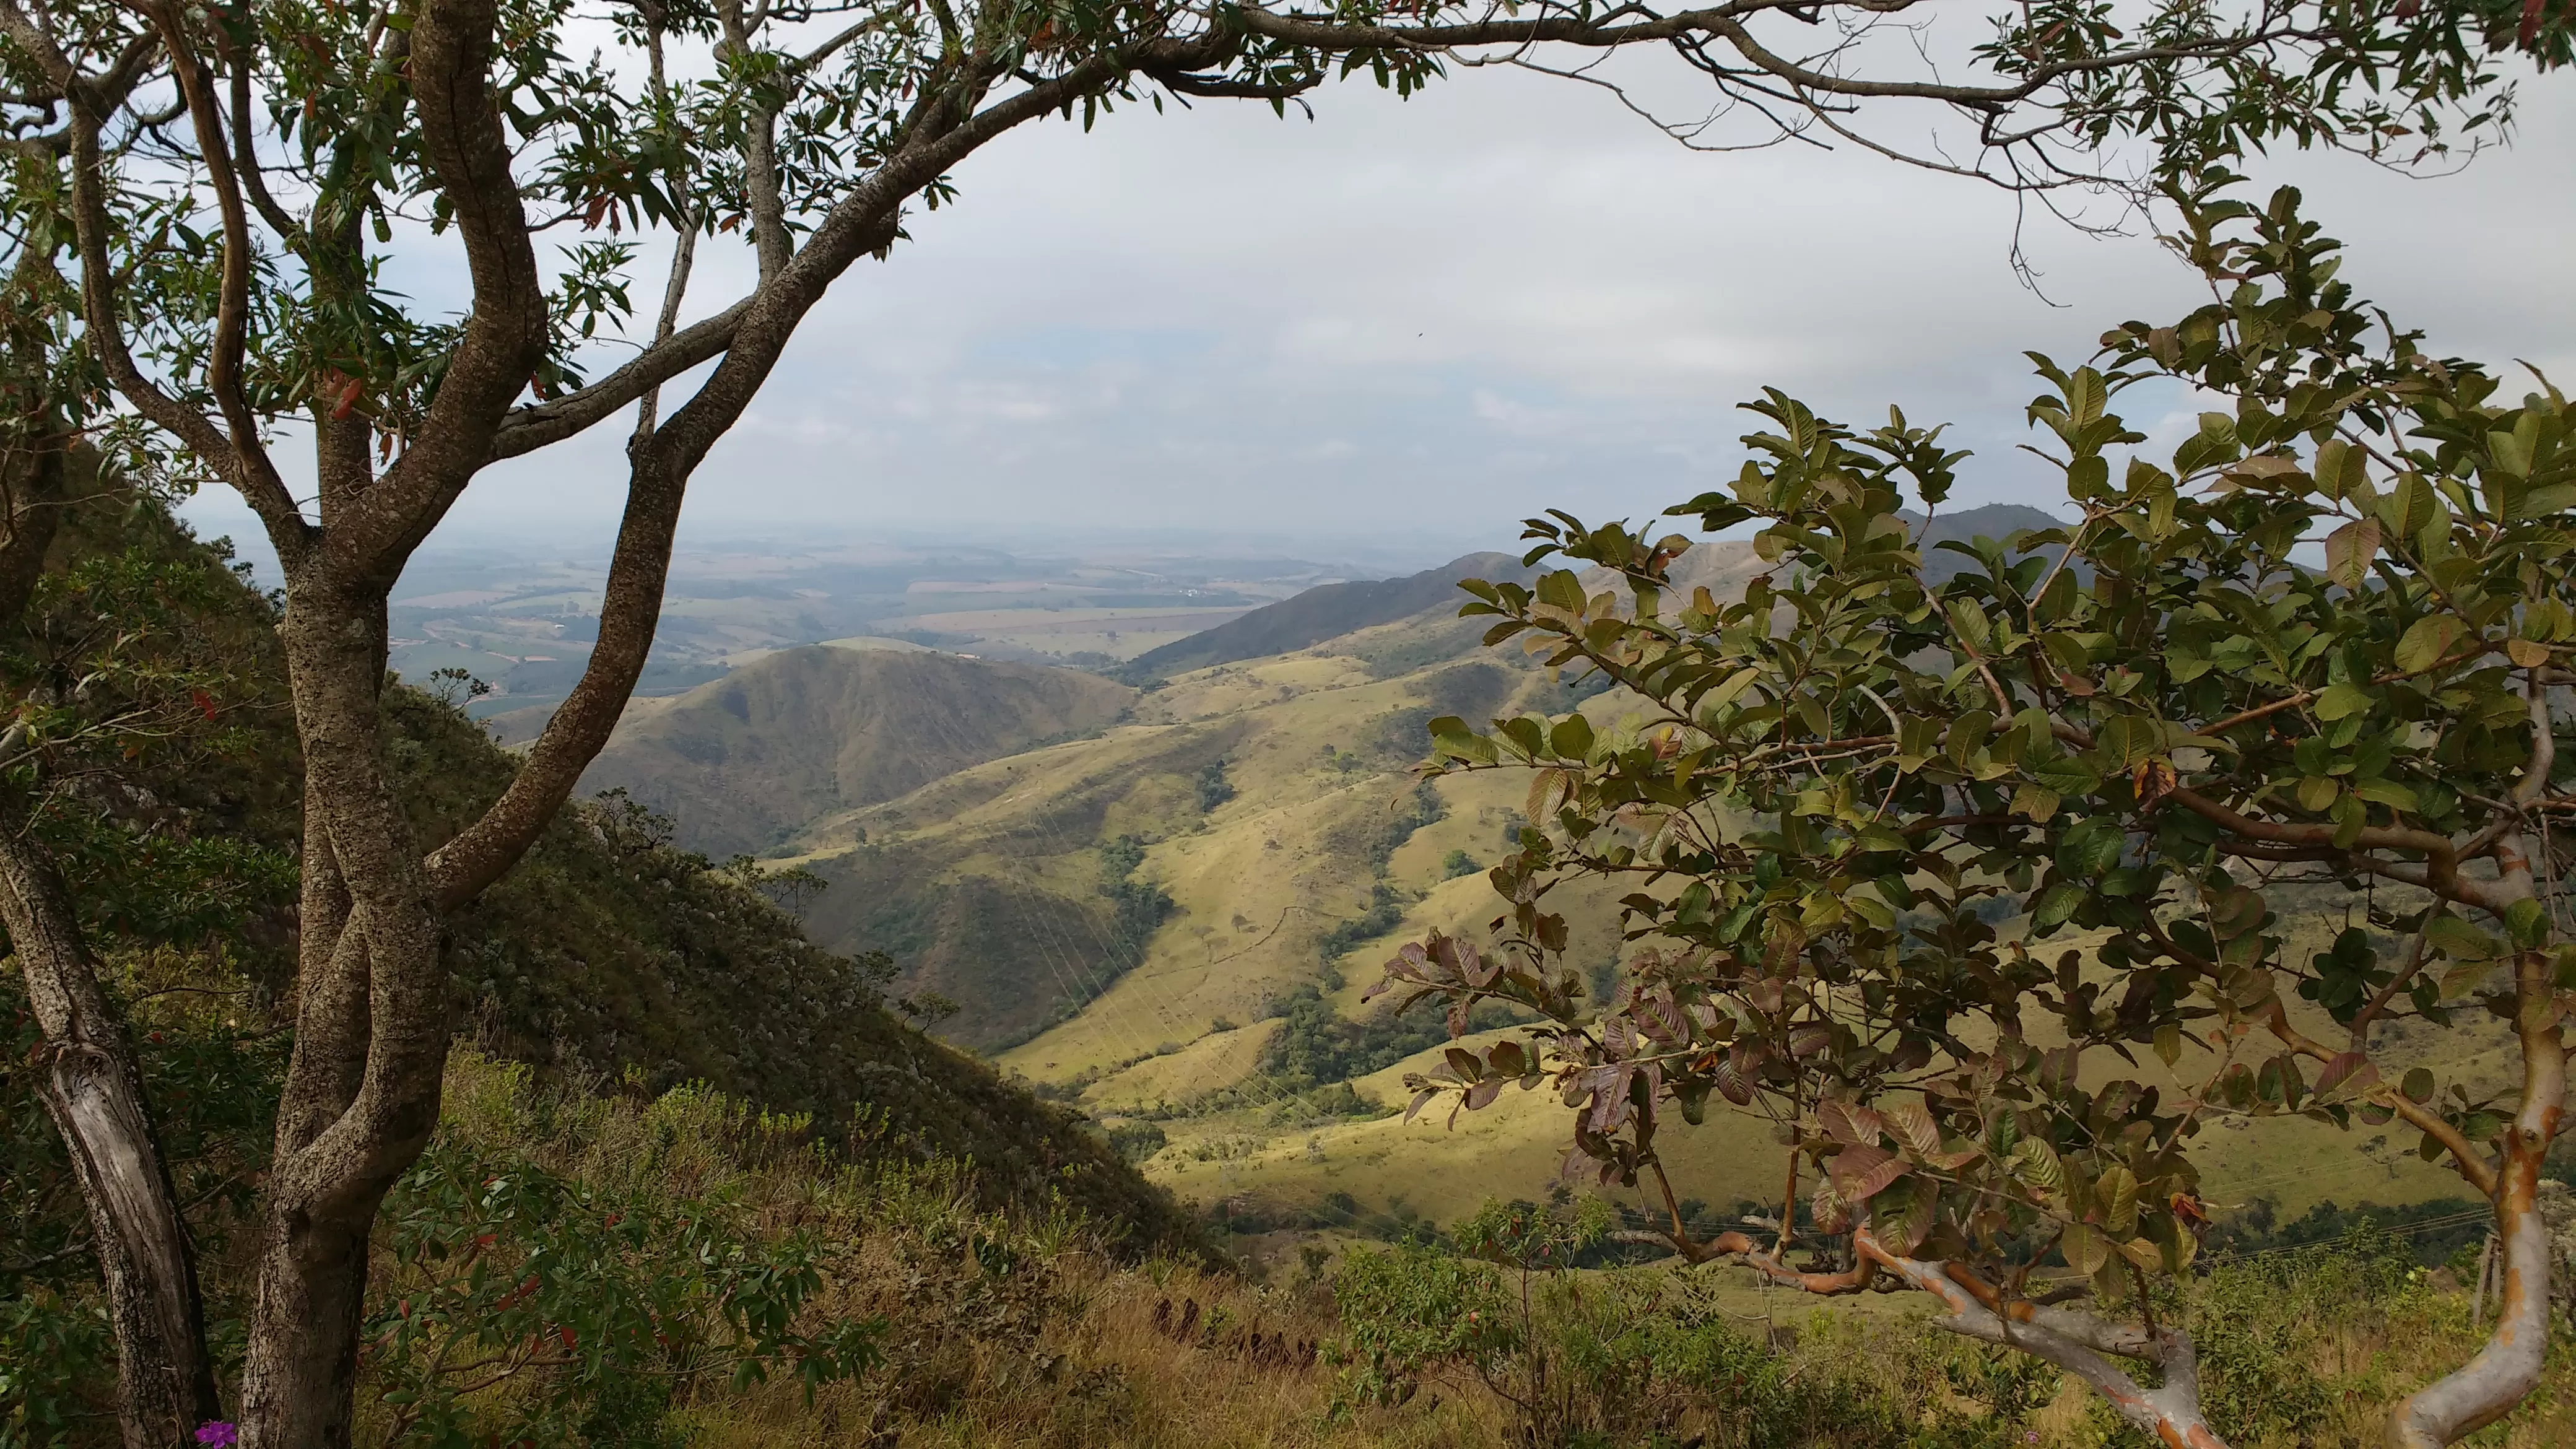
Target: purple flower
[{"x": 218, "y": 1433}]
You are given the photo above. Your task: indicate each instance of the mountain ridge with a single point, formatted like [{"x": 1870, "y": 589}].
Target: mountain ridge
[{"x": 1327, "y": 611}]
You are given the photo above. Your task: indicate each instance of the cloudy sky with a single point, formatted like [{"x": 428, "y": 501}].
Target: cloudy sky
[{"x": 1416, "y": 321}]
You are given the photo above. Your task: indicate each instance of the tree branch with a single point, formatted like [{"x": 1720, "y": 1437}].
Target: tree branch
[
  {"x": 505, "y": 334},
  {"x": 232, "y": 298},
  {"x": 527, "y": 429},
  {"x": 2170, "y": 1413}
]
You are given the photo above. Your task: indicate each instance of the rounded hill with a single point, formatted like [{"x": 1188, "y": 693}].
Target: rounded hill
[{"x": 739, "y": 763}]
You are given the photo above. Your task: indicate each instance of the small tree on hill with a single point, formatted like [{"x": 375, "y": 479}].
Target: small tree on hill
[
  {"x": 244, "y": 193},
  {"x": 2300, "y": 666}
]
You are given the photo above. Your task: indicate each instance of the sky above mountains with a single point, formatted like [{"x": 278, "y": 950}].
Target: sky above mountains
[{"x": 1411, "y": 322}]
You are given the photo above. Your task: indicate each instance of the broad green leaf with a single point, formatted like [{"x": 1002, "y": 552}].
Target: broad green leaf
[
  {"x": 2117, "y": 1193},
  {"x": 2035, "y": 1162},
  {"x": 2236, "y": 911},
  {"x": 2085, "y": 1247},
  {"x": 2055, "y": 905},
  {"x": 1571, "y": 737},
  {"x": 2426, "y": 641},
  {"x": 1724, "y": 695},
  {"x": 2527, "y": 922},
  {"x": 2035, "y": 803},
  {"x": 2350, "y": 549},
  {"x": 1971, "y": 625},
  {"x": 2410, "y": 507},
  {"x": 2461, "y": 941}
]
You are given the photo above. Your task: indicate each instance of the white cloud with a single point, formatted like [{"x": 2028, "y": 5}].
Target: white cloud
[{"x": 1446, "y": 313}]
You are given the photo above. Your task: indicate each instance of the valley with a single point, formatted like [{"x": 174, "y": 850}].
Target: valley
[
  {"x": 523, "y": 622},
  {"x": 1161, "y": 896}
]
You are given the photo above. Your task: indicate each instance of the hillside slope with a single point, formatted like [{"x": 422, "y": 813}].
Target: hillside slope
[
  {"x": 1268, "y": 802},
  {"x": 1326, "y": 611},
  {"x": 609, "y": 949},
  {"x": 740, "y": 763},
  {"x": 607, "y": 954},
  {"x": 1235, "y": 1027}
]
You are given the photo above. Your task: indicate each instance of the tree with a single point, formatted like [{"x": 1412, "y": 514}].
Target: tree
[
  {"x": 106, "y": 669},
  {"x": 2212, "y": 771},
  {"x": 229, "y": 184}
]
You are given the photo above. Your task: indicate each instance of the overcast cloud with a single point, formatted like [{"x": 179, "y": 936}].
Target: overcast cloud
[{"x": 1423, "y": 319}]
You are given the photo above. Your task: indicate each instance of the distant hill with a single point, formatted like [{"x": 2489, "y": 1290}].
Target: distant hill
[
  {"x": 742, "y": 763},
  {"x": 1326, "y": 611},
  {"x": 1997, "y": 521}
]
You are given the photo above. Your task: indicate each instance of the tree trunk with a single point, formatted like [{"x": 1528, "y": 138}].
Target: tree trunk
[
  {"x": 94, "y": 1093},
  {"x": 2486, "y": 1270},
  {"x": 361, "y": 1095},
  {"x": 2505, "y": 1371}
]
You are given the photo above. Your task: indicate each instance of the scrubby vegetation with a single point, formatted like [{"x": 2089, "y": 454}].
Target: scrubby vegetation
[
  {"x": 590, "y": 1261},
  {"x": 1316, "y": 1045},
  {"x": 2301, "y": 1348}
]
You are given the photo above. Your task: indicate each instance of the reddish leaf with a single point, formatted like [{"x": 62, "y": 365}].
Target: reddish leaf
[{"x": 1861, "y": 1173}]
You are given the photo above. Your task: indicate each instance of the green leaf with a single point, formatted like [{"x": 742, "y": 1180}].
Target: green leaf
[
  {"x": 2235, "y": 911},
  {"x": 2055, "y": 904},
  {"x": 2340, "y": 701},
  {"x": 2350, "y": 549},
  {"x": 2091, "y": 849},
  {"x": 1903, "y": 1214},
  {"x": 1971, "y": 625},
  {"x": 2527, "y": 922},
  {"x": 1968, "y": 734},
  {"x": 2035, "y": 803},
  {"x": 2066, "y": 775},
  {"x": 1571, "y": 738},
  {"x": 2117, "y": 1192},
  {"x": 2427, "y": 641},
  {"x": 2085, "y": 1248},
  {"x": 2339, "y": 466},
  {"x": 1451, "y": 736},
  {"x": 2035, "y": 1162},
  {"x": 2411, "y": 507},
  {"x": 2419, "y": 1085},
  {"x": 1724, "y": 694},
  {"x": 2461, "y": 941},
  {"x": 2085, "y": 395}
]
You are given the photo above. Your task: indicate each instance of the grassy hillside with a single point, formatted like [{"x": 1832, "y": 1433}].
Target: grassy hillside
[
  {"x": 1235, "y": 1029},
  {"x": 1326, "y": 611},
  {"x": 609, "y": 949},
  {"x": 608, "y": 953},
  {"x": 739, "y": 763},
  {"x": 1269, "y": 801}
]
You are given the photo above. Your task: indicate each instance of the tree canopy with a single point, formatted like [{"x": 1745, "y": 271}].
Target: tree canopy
[{"x": 1995, "y": 892}]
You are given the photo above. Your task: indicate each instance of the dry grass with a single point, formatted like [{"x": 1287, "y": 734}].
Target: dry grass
[
  {"x": 1011, "y": 1331},
  {"x": 1108, "y": 1379}
]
